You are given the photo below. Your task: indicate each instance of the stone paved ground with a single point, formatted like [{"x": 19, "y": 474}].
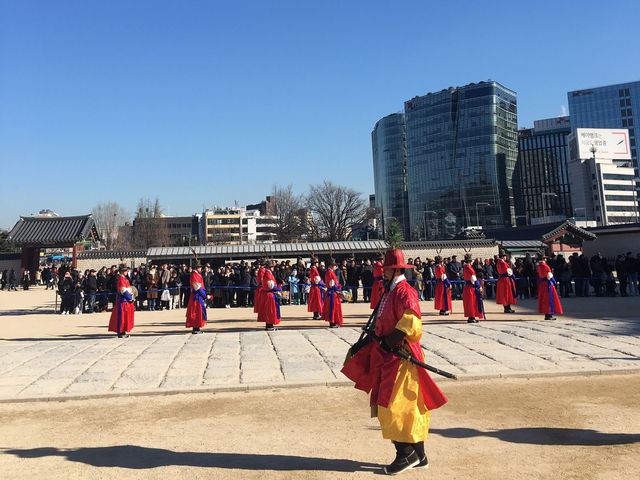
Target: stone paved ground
[
  {"x": 230, "y": 360},
  {"x": 48, "y": 356}
]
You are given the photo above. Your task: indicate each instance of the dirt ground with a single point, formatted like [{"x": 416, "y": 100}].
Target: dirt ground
[{"x": 543, "y": 428}]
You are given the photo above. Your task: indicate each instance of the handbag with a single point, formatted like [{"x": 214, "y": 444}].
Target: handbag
[{"x": 165, "y": 296}]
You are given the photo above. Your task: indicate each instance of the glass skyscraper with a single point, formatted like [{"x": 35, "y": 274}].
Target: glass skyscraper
[
  {"x": 612, "y": 106},
  {"x": 461, "y": 148},
  {"x": 389, "y": 170},
  {"x": 541, "y": 181}
]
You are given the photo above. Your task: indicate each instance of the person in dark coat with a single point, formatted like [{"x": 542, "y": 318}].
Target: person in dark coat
[
  {"x": 90, "y": 289},
  {"x": 367, "y": 280},
  {"x": 66, "y": 290}
]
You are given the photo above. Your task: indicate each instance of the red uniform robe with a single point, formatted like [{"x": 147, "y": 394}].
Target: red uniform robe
[
  {"x": 442, "y": 297},
  {"x": 506, "y": 289},
  {"x": 121, "y": 320},
  {"x": 378, "y": 288},
  {"x": 548, "y": 301},
  {"x": 269, "y": 309},
  {"x": 197, "y": 307},
  {"x": 315, "y": 294},
  {"x": 375, "y": 370},
  {"x": 471, "y": 295},
  {"x": 257, "y": 296},
  {"x": 332, "y": 308}
]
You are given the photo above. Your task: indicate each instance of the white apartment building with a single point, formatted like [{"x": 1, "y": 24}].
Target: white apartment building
[
  {"x": 235, "y": 226},
  {"x": 603, "y": 186}
]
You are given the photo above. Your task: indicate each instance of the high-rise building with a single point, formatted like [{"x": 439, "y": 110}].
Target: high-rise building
[
  {"x": 602, "y": 185},
  {"x": 611, "y": 106},
  {"x": 541, "y": 182},
  {"x": 390, "y": 171},
  {"x": 462, "y": 147}
]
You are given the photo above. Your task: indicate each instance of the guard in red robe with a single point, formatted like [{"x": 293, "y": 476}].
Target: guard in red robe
[
  {"x": 548, "y": 301},
  {"x": 121, "y": 320},
  {"x": 314, "y": 303},
  {"x": 377, "y": 289},
  {"x": 402, "y": 394},
  {"x": 197, "y": 306},
  {"x": 442, "y": 297},
  {"x": 472, "y": 293},
  {"x": 332, "y": 308},
  {"x": 506, "y": 294},
  {"x": 269, "y": 308},
  {"x": 257, "y": 296}
]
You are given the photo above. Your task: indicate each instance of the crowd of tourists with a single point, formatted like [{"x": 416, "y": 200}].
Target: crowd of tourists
[{"x": 165, "y": 287}]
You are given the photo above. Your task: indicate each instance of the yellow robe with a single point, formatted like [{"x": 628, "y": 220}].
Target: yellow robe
[{"x": 406, "y": 419}]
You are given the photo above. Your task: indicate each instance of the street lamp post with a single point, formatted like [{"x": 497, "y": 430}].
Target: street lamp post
[{"x": 484, "y": 204}]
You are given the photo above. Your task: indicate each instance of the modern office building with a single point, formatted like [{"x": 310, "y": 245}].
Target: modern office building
[
  {"x": 541, "y": 182},
  {"x": 461, "y": 149},
  {"x": 390, "y": 171},
  {"x": 603, "y": 188},
  {"x": 611, "y": 106}
]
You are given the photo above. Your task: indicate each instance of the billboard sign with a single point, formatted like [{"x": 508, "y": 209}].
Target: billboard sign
[{"x": 610, "y": 144}]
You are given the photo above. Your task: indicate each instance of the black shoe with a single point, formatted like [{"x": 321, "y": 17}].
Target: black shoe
[
  {"x": 316, "y": 316},
  {"x": 509, "y": 310},
  {"x": 472, "y": 320},
  {"x": 123, "y": 335},
  {"x": 399, "y": 465},
  {"x": 424, "y": 463},
  {"x": 549, "y": 317},
  {"x": 270, "y": 328},
  {"x": 195, "y": 331},
  {"x": 441, "y": 312},
  {"x": 333, "y": 325}
]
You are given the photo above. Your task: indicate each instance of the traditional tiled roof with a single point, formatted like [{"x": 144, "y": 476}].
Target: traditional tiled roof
[
  {"x": 442, "y": 244},
  {"x": 52, "y": 231},
  {"x": 546, "y": 232},
  {"x": 270, "y": 249},
  {"x": 567, "y": 227},
  {"x": 304, "y": 249},
  {"x": 111, "y": 254},
  {"x": 615, "y": 229}
]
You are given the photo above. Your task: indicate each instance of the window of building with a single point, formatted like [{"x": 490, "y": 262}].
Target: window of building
[
  {"x": 628, "y": 102},
  {"x": 621, "y": 93},
  {"x": 629, "y": 112},
  {"x": 631, "y": 122},
  {"x": 623, "y": 112},
  {"x": 622, "y": 208},
  {"x": 624, "y": 122},
  {"x": 619, "y": 198},
  {"x": 615, "y": 176},
  {"x": 622, "y": 102},
  {"x": 609, "y": 187},
  {"x": 626, "y": 92}
]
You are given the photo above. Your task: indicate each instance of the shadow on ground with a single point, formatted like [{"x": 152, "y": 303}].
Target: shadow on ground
[
  {"x": 544, "y": 436},
  {"x": 136, "y": 457}
]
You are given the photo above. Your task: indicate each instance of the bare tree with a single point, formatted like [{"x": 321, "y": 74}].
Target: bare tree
[
  {"x": 109, "y": 217},
  {"x": 336, "y": 210},
  {"x": 150, "y": 227},
  {"x": 288, "y": 224}
]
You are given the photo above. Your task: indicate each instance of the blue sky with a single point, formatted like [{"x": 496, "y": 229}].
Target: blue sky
[{"x": 205, "y": 103}]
